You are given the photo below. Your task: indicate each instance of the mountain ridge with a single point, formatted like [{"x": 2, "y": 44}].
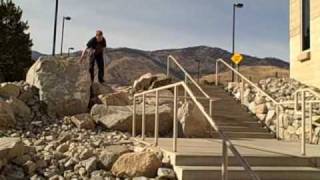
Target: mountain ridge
[{"x": 123, "y": 64}]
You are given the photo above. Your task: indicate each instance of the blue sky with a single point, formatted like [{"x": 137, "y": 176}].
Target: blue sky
[{"x": 262, "y": 25}]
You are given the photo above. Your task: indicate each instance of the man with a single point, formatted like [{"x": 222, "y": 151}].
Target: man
[{"x": 96, "y": 45}]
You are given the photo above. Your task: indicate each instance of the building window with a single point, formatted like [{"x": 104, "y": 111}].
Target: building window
[{"x": 305, "y": 24}]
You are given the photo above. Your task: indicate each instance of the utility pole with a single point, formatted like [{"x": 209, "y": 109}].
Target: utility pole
[
  {"x": 55, "y": 29},
  {"x": 238, "y": 5}
]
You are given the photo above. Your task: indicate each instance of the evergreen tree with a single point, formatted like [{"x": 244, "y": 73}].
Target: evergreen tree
[{"x": 15, "y": 42}]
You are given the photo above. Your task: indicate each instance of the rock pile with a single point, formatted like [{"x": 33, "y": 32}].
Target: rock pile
[
  {"x": 49, "y": 131},
  {"x": 281, "y": 90},
  {"x": 62, "y": 151}
]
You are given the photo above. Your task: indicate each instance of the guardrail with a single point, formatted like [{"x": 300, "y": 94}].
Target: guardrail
[
  {"x": 226, "y": 143},
  {"x": 187, "y": 77},
  {"x": 304, "y": 102},
  {"x": 278, "y": 104}
]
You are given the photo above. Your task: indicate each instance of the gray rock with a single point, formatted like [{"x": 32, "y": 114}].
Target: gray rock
[
  {"x": 192, "y": 122},
  {"x": 63, "y": 83}
]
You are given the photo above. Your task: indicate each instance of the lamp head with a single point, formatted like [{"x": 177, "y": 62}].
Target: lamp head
[
  {"x": 67, "y": 18},
  {"x": 238, "y": 5}
]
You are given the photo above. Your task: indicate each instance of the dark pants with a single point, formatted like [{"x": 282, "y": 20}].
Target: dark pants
[{"x": 100, "y": 63}]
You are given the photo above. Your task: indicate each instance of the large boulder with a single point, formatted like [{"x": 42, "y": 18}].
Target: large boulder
[
  {"x": 7, "y": 118},
  {"x": 120, "y": 117},
  {"x": 192, "y": 121},
  {"x": 98, "y": 88},
  {"x": 143, "y": 82},
  {"x": 165, "y": 97},
  {"x": 9, "y": 90},
  {"x": 115, "y": 99},
  {"x": 150, "y": 81},
  {"x": 161, "y": 80},
  {"x": 11, "y": 148},
  {"x": 63, "y": 83},
  {"x": 83, "y": 121},
  {"x": 20, "y": 109},
  {"x": 136, "y": 165},
  {"x": 110, "y": 154}
]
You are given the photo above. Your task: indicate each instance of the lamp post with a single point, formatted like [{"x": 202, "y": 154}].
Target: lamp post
[
  {"x": 55, "y": 29},
  {"x": 70, "y": 49},
  {"x": 235, "y": 5},
  {"x": 199, "y": 62},
  {"x": 68, "y": 19}
]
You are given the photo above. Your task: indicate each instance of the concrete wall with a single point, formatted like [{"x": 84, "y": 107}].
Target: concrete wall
[{"x": 305, "y": 65}]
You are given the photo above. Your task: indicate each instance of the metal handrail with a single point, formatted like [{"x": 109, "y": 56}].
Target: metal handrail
[
  {"x": 186, "y": 77},
  {"x": 278, "y": 104},
  {"x": 303, "y": 113},
  {"x": 242, "y": 77},
  {"x": 186, "y": 74},
  {"x": 226, "y": 143}
]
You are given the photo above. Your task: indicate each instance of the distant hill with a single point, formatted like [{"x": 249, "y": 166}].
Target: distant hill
[
  {"x": 35, "y": 55},
  {"x": 123, "y": 65}
]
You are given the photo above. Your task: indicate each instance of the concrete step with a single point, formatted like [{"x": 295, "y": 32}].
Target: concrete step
[
  {"x": 237, "y": 135},
  {"x": 238, "y": 173},
  {"x": 268, "y": 159},
  {"x": 227, "y": 128}
]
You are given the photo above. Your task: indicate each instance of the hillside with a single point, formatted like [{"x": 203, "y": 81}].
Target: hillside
[
  {"x": 253, "y": 73},
  {"x": 125, "y": 64}
]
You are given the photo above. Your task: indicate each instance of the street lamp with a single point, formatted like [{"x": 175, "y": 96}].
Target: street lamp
[
  {"x": 235, "y": 5},
  {"x": 55, "y": 29},
  {"x": 70, "y": 49},
  {"x": 68, "y": 19},
  {"x": 199, "y": 62}
]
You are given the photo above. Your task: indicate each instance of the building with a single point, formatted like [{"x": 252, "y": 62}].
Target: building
[{"x": 305, "y": 41}]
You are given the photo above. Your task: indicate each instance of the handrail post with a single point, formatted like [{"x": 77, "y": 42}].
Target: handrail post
[
  {"x": 278, "y": 122},
  {"x": 210, "y": 107},
  {"x": 310, "y": 125},
  {"x": 296, "y": 101},
  {"x": 224, "y": 168},
  {"x": 217, "y": 71},
  {"x": 143, "y": 129},
  {"x": 185, "y": 92},
  {"x": 175, "y": 125},
  {"x": 168, "y": 66},
  {"x": 303, "y": 124},
  {"x": 241, "y": 90},
  {"x": 134, "y": 118},
  {"x": 156, "y": 123}
]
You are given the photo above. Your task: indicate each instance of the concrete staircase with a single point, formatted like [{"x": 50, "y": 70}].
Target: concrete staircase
[{"x": 267, "y": 156}]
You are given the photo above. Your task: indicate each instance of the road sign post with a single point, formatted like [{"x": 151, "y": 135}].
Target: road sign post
[{"x": 237, "y": 58}]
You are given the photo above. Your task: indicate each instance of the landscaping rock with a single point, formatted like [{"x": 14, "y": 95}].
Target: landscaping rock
[
  {"x": 63, "y": 83},
  {"x": 192, "y": 122},
  {"x": 120, "y": 117},
  {"x": 7, "y": 118},
  {"x": 8, "y": 90},
  {"x": 136, "y": 164},
  {"x": 83, "y": 121}
]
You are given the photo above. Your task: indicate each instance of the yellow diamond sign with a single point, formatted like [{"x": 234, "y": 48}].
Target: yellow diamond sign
[{"x": 237, "y": 58}]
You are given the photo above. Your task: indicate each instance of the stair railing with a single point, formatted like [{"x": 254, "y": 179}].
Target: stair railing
[
  {"x": 226, "y": 143},
  {"x": 187, "y": 77},
  {"x": 302, "y": 93},
  {"x": 278, "y": 104},
  {"x": 243, "y": 80}
]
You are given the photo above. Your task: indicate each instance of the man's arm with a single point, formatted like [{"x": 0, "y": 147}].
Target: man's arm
[{"x": 90, "y": 45}]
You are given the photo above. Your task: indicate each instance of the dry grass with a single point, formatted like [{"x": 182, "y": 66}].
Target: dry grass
[{"x": 254, "y": 73}]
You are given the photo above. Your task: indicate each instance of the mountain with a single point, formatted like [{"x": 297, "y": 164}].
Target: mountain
[
  {"x": 35, "y": 55},
  {"x": 123, "y": 65}
]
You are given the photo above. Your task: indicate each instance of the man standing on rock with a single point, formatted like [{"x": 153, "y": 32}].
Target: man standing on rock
[{"x": 96, "y": 46}]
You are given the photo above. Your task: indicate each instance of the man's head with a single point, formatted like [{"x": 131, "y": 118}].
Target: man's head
[{"x": 99, "y": 35}]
